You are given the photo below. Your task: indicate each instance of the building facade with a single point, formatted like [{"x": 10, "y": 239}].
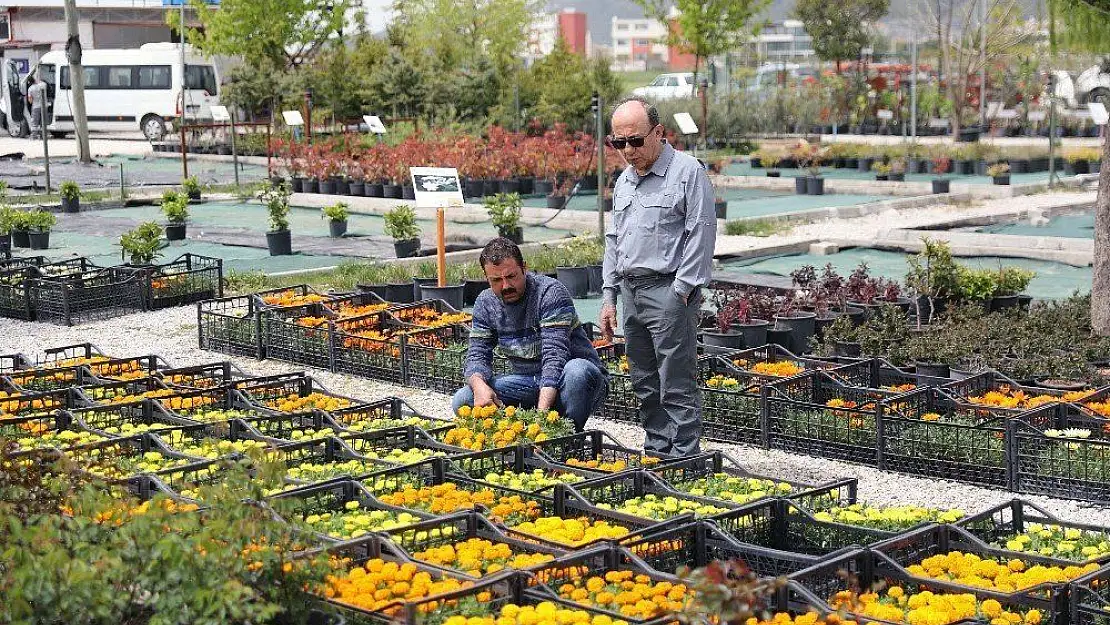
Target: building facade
[
  {"x": 639, "y": 44},
  {"x": 783, "y": 42},
  {"x": 547, "y": 28}
]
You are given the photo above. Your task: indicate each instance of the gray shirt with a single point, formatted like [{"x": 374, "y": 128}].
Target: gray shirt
[
  {"x": 37, "y": 94},
  {"x": 663, "y": 222}
]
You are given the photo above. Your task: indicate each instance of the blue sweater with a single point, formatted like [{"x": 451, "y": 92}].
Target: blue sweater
[{"x": 538, "y": 334}]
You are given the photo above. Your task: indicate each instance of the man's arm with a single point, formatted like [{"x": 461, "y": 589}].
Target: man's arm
[
  {"x": 557, "y": 317},
  {"x": 609, "y": 286},
  {"x": 479, "y": 356},
  {"x": 701, "y": 235}
]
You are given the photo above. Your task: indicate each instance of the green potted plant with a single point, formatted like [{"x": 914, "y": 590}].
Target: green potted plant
[
  {"x": 8, "y": 217},
  {"x": 999, "y": 173},
  {"x": 71, "y": 197},
  {"x": 191, "y": 186},
  {"x": 337, "y": 215},
  {"x": 771, "y": 160},
  {"x": 504, "y": 209},
  {"x": 933, "y": 277},
  {"x": 882, "y": 170},
  {"x": 21, "y": 224},
  {"x": 1009, "y": 283},
  {"x": 276, "y": 198},
  {"x": 897, "y": 170},
  {"x": 175, "y": 206},
  {"x": 40, "y": 223},
  {"x": 143, "y": 244},
  {"x": 400, "y": 223}
]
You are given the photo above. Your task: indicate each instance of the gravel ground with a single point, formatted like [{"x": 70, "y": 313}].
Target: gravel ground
[{"x": 172, "y": 334}]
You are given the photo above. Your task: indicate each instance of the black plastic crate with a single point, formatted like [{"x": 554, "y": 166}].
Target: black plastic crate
[
  {"x": 90, "y": 296},
  {"x": 101, "y": 393},
  {"x": 333, "y": 459},
  {"x": 1054, "y": 465},
  {"x": 926, "y": 433},
  {"x": 293, "y": 392},
  {"x": 128, "y": 368},
  {"x": 294, "y": 506},
  {"x": 57, "y": 378},
  {"x": 692, "y": 473},
  {"x": 1002, "y": 523},
  {"x": 230, "y": 325},
  {"x": 967, "y": 390},
  {"x": 187, "y": 279},
  {"x": 16, "y": 403},
  {"x": 70, "y": 355},
  {"x": 376, "y": 355},
  {"x": 283, "y": 428},
  {"x": 519, "y": 461},
  {"x": 595, "y": 451},
  {"x": 377, "y": 445},
  {"x": 424, "y": 314},
  {"x": 436, "y": 358},
  {"x": 454, "y": 529},
  {"x": 181, "y": 483},
  {"x": 200, "y": 377},
  {"x": 610, "y": 492},
  {"x": 12, "y": 362},
  {"x": 697, "y": 543},
  {"x": 744, "y": 365},
  {"x": 814, "y": 414},
  {"x": 733, "y": 402},
  {"x": 117, "y": 460},
  {"x": 382, "y": 414},
  {"x": 307, "y": 334},
  {"x": 1088, "y": 597},
  {"x": 15, "y": 293},
  {"x": 43, "y": 431},
  {"x": 428, "y": 472},
  {"x": 621, "y": 404},
  {"x": 128, "y": 419}
]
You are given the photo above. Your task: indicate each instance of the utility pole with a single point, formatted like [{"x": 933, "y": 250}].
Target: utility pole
[
  {"x": 602, "y": 184},
  {"x": 913, "y": 88},
  {"x": 77, "y": 84},
  {"x": 982, "y": 66}
]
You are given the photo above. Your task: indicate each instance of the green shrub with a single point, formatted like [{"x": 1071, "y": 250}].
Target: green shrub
[
  {"x": 276, "y": 199},
  {"x": 400, "y": 223},
  {"x": 41, "y": 221},
  {"x": 69, "y": 190},
  {"x": 143, "y": 244},
  {"x": 504, "y": 210},
  {"x": 336, "y": 212},
  {"x": 175, "y": 206}
]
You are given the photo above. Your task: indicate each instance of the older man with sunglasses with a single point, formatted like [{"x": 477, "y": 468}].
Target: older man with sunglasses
[{"x": 658, "y": 255}]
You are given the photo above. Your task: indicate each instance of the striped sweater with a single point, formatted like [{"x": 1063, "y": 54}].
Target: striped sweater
[{"x": 538, "y": 334}]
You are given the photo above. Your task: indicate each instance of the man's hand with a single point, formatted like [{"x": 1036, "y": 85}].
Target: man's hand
[
  {"x": 608, "y": 321},
  {"x": 548, "y": 396},
  {"x": 484, "y": 395}
]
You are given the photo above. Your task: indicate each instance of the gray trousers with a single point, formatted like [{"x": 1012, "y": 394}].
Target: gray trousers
[
  {"x": 35, "y": 121},
  {"x": 661, "y": 342}
]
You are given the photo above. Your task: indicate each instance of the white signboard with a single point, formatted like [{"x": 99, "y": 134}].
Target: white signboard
[
  {"x": 886, "y": 114},
  {"x": 375, "y": 124},
  {"x": 993, "y": 108},
  {"x": 436, "y": 187},
  {"x": 1098, "y": 112},
  {"x": 1007, "y": 114},
  {"x": 220, "y": 114},
  {"x": 685, "y": 123},
  {"x": 1037, "y": 116},
  {"x": 292, "y": 118}
]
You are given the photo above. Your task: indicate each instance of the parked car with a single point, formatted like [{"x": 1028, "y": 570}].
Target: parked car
[{"x": 668, "y": 87}]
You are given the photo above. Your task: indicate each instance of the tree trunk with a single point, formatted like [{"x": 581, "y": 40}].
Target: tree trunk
[
  {"x": 77, "y": 82},
  {"x": 1100, "y": 284}
]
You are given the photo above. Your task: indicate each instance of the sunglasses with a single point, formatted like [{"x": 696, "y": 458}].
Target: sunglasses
[{"x": 618, "y": 143}]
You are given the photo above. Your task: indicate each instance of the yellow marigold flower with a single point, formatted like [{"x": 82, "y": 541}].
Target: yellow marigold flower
[{"x": 1033, "y": 617}]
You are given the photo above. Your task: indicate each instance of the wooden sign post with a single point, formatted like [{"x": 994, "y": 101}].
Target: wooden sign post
[{"x": 438, "y": 188}]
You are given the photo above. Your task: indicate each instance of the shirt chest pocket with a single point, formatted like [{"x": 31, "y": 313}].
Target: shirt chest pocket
[{"x": 660, "y": 211}]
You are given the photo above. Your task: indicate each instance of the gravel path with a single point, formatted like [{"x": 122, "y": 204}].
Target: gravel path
[{"x": 172, "y": 334}]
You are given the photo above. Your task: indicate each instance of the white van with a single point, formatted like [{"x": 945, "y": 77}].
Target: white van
[{"x": 130, "y": 89}]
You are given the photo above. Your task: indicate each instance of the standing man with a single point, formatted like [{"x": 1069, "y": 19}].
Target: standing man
[
  {"x": 36, "y": 97},
  {"x": 658, "y": 255},
  {"x": 533, "y": 320}
]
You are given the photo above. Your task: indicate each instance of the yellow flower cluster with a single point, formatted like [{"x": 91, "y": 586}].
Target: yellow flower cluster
[
  {"x": 613, "y": 466},
  {"x": 537, "y": 479},
  {"x": 809, "y": 618},
  {"x": 929, "y": 608},
  {"x": 975, "y": 571},
  {"x": 1008, "y": 397},
  {"x": 780, "y": 369},
  {"x": 571, "y": 532},
  {"x": 544, "y": 613},
  {"x": 320, "y": 401},
  {"x": 721, "y": 381},
  {"x": 448, "y": 497},
  {"x": 1053, "y": 540},
  {"x": 379, "y": 583},
  {"x": 623, "y": 592},
  {"x": 652, "y": 506},
  {"x": 489, "y": 427},
  {"x": 887, "y": 518},
  {"x": 352, "y": 521},
  {"x": 478, "y": 557},
  {"x": 733, "y": 488}
]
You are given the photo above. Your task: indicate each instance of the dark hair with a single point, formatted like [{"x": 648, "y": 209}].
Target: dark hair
[
  {"x": 498, "y": 250},
  {"x": 649, "y": 108}
]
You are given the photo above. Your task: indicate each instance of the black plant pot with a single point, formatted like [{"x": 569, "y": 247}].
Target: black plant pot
[
  {"x": 542, "y": 187},
  {"x": 38, "y": 240},
  {"x": 882, "y": 177},
  {"x": 342, "y": 187},
  {"x": 780, "y": 336},
  {"x": 851, "y": 163},
  {"x": 297, "y": 184},
  {"x": 175, "y": 232},
  {"x": 491, "y": 187},
  {"x": 588, "y": 183},
  {"x": 942, "y": 185},
  {"x": 815, "y": 185},
  {"x": 407, "y": 248},
  {"x": 194, "y": 195},
  {"x": 336, "y": 228},
  {"x": 71, "y": 205},
  {"x": 280, "y": 243},
  {"x": 373, "y": 189},
  {"x": 823, "y": 321},
  {"x": 857, "y": 315},
  {"x": 720, "y": 207},
  {"x": 847, "y": 349},
  {"x": 408, "y": 192},
  {"x": 327, "y": 187},
  {"x": 927, "y": 370},
  {"x": 527, "y": 185},
  {"x": 310, "y": 185},
  {"x": 381, "y": 290},
  {"x": 754, "y": 331},
  {"x": 864, "y": 164},
  {"x": 418, "y": 285},
  {"x": 1019, "y": 166},
  {"x": 929, "y": 312},
  {"x": 516, "y": 235},
  {"x": 556, "y": 201},
  {"x": 802, "y": 325},
  {"x": 596, "y": 278},
  {"x": 401, "y": 292},
  {"x": 800, "y": 187},
  {"x": 357, "y": 189},
  {"x": 773, "y": 173},
  {"x": 964, "y": 167},
  {"x": 1002, "y": 302},
  {"x": 897, "y": 177},
  {"x": 1002, "y": 180},
  {"x": 510, "y": 186},
  {"x": 19, "y": 239},
  {"x": 391, "y": 191},
  {"x": 756, "y": 162},
  {"x": 452, "y": 294},
  {"x": 1024, "y": 301},
  {"x": 733, "y": 339},
  {"x": 472, "y": 289},
  {"x": 576, "y": 279},
  {"x": 607, "y": 204}
]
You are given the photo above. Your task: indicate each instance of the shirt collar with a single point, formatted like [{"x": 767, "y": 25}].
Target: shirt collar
[{"x": 659, "y": 168}]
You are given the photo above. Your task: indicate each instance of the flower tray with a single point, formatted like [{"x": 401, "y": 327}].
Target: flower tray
[
  {"x": 109, "y": 420},
  {"x": 435, "y": 358},
  {"x": 121, "y": 369},
  {"x": 1000, "y": 524},
  {"x": 18, "y": 404},
  {"x": 13, "y": 362},
  {"x": 179, "y": 483},
  {"x": 87, "y": 296},
  {"x": 101, "y": 393},
  {"x": 113, "y": 455},
  {"x": 1088, "y": 597},
  {"x": 291, "y": 392},
  {"x": 382, "y": 414},
  {"x": 1045, "y": 461},
  {"x": 1002, "y": 396},
  {"x": 65, "y": 355},
  {"x": 199, "y": 377},
  {"x": 594, "y": 446},
  {"x": 57, "y": 378},
  {"x": 515, "y": 459},
  {"x": 380, "y": 442},
  {"x": 187, "y": 279},
  {"x": 330, "y": 496},
  {"x": 47, "y": 431},
  {"x": 230, "y": 325},
  {"x": 611, "y": 491}
]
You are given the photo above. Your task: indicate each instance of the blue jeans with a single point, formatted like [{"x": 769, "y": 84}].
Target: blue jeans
[{"x": 582, "y": 390}]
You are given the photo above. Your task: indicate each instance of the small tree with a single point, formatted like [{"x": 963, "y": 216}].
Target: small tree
[{"x": 840, "y": 30}]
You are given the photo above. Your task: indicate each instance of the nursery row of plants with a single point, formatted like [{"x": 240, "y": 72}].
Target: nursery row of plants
[
  {"x": 76, "y": 290},
  {"x": 380, "y": 514},
  {"x": 984, "y": 429}
]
